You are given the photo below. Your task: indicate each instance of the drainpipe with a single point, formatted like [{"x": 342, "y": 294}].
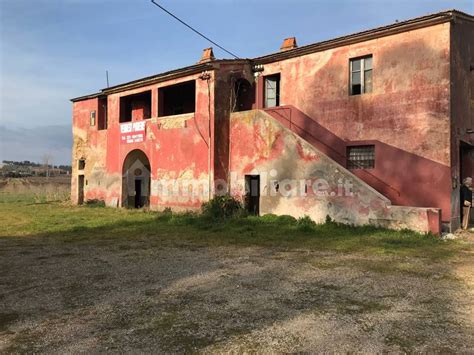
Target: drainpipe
[
  {"x": 257, "y": 72},
  {"x": 206, "y": 76}
]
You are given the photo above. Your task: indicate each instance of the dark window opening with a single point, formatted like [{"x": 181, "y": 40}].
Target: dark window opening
[
  {"x": 135, "y": 107},
  {"x": 272, "y": 90},
  {"x": 361, "y": 157},
  {"x": 252, "y": 194},
  {"x": 244, "y": 96},
  {"x": 81, "y": 164},
  {"x": 80, "y": 192},
  {"x": 360, "y": 75},
  {"x": 177, "y": 99},
  {"x": 102, "y": 119}
]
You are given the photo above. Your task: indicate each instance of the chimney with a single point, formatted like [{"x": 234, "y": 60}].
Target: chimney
[
  {"x": 288, "y": 43},
  {"x": 207, "y": 55}
]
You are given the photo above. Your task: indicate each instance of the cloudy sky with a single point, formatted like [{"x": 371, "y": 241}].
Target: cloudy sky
[{"x": 53, "y": 50}]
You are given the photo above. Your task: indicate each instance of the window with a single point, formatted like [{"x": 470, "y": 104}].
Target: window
[
  {"x": 92, "y": 118},
  {"x": 135, "y": 107},
  {"x": 272, "y": 90},
  {"x": 177, "y": 99},
  {"x": 244, "y": 95},
  {"x": 102, "y": 119},
  {"x": 360, "y": 75},
  {"x": 81, "y": 164},
  {"x": 361, "y": 157}
]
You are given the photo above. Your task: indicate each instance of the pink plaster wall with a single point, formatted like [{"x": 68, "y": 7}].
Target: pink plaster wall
[
  {"x": 175, "y": 150},
  {"x": 279, "y": 155},
  {"x": 408, "y": 112}
]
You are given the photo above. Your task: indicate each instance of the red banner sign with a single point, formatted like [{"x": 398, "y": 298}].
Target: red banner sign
[{"x": 132, "y": 132}]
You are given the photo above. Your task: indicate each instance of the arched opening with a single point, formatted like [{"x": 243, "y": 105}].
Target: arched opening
[
  {"x": 244, "y": 95},
  {"x": 136, "y": 174}
]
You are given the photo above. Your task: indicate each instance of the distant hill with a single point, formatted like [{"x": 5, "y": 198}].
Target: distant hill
[{"x": 11, "y": 168}]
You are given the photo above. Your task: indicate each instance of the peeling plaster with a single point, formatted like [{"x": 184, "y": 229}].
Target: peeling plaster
[{"x": 366, "y": 206}]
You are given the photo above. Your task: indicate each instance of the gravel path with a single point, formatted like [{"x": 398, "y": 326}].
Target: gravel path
[{"x": 104, "y": 295}]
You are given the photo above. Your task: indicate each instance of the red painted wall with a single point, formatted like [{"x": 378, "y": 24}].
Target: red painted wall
[
  {"x": 277, "y": 155},
  {"x": 407, "y": 114},
  {"x": 174, "y": 150},
  {"x": 140, "y": 110},
  {"x": 418, "y": 112}
]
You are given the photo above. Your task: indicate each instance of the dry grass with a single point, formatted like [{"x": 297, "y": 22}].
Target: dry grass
[{"x": 35, "y": 189}]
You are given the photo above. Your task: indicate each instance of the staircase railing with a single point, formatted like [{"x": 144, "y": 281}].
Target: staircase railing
[{"x": 288, "y": 117}]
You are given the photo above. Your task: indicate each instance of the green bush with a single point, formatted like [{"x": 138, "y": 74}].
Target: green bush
[
  {"x": 222, "y": 207},
  {"x": 305, "y": 224},
  {"x": 286, "y": 220},
  {"x": 270, "y": 218},
  {"x": 241, "y": 213},
  {"x": 165, "y": 215}
]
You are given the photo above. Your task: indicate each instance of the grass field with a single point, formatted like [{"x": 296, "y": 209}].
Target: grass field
[
  {"x": 90, "y": 278},
  {"x": 73, "y": 224}
]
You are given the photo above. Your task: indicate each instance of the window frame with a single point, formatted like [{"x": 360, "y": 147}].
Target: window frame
[
  {"x": 93, "y": 118},
  {"x": 354, "y": 164},
  {"x": 125, "y": 106},
  {"x": 277, "y": 76},
  {"x": 362, "y": 71},
  {"x": 102, "y": 114}
]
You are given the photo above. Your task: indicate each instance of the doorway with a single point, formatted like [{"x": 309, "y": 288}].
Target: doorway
[
  {"x": 466, "y": 166},
  {"x": 138, "y": 193},
  {"x": 243, "y": 96},
  {"x": 252, "y": 194},
  {"x": 272, "y": 90},
  {"x": 80, "y": 194},
  {"x": 136, "y": 180}
]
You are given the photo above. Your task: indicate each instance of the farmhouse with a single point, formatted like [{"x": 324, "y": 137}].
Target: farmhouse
[{"x": 370, "y": 128}]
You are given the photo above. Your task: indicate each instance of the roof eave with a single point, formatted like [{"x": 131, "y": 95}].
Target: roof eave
[
  {"x": 399, "y": 27},
  {"x": 395, "y": 28},
  {"x": 169, "y": 75}
]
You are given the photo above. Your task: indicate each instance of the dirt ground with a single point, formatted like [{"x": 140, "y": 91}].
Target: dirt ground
[{"x": 140, "y": 295}]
